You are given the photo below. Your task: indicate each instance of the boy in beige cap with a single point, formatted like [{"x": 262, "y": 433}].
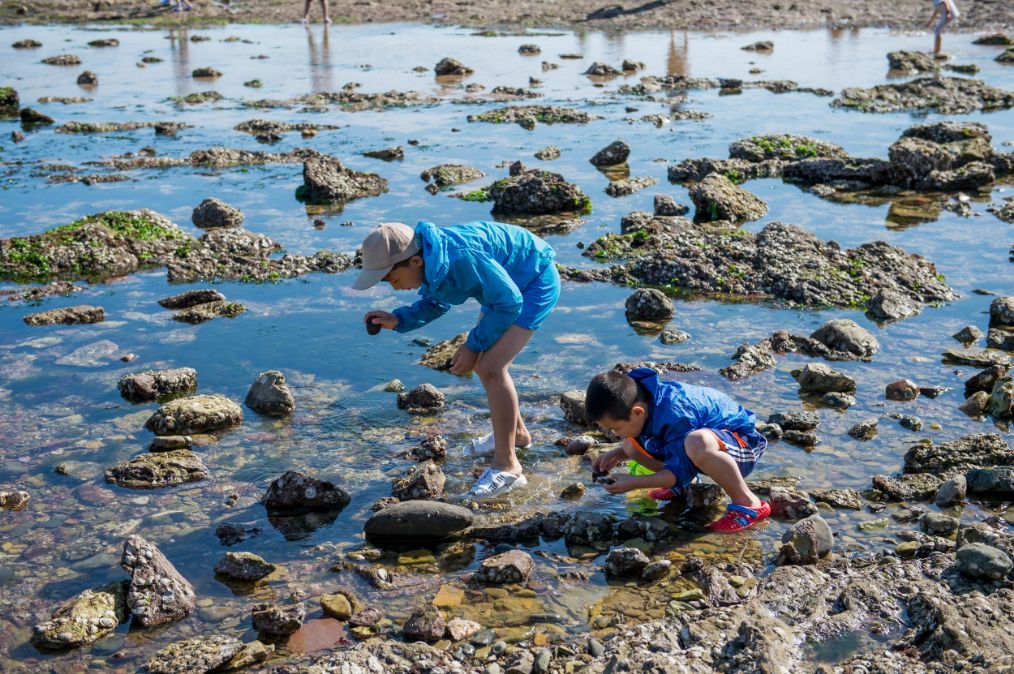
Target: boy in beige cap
[{"x": 511, "y": 273}]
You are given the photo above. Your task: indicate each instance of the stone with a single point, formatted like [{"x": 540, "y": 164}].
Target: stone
[
  {"x": 806, "y": 541},
  {"x": 423, "y": 399},
  {"x": 200, "y": 654},
  {"x": 902, "y": 390},
  {"x": 440, "y": 354},
  {"x": 801, "y": 438},
  {"x": 907, "y": 487},
  {"x": 14, "y": 500},
  {"x": 295, "y": 492},
  {"x": 386, "y": 154},
  {"x": 445, "y": 175},
  {"x": 1001, "y": 311},
  {"x": 598, "y": 69},
  {"x": 507, "y": 568},
  {"x": 938, "y": 524},
  {"x": 890, "y": 305},
  {"x": 997, "y": 483},
  {"x": 83, "y": 619},
  {"x": 614, "y": 153},
  {"x": 944, "y": 95},
  {"x": 425, "y": 624},
  {"x": 968, "y": 335},
  {"x": 459, "y": 629},
  {"x": 191, "y": 298},
  {"x": 975, "y": 405},
  {"x": 213, "y": 213},
  {"x": 761, "y": 45},
  {"x": 156, "y": 470},
  {"x": 327, "y": 181},
  {"x": 252, "y": 653},
  {"x": 588, "y": 528},
  {"x": 795, "y": 421},
  {"x": 983, "y": 562},
  {"x": 275, "y": 620},
  {"x": 838, "y": 498},
  {"x": 158, "y": 593},
  {"x": 270, "y": 395},
  {"x": 81, "y": 314},
  {"x": 432, "y": 447},
  {"x": 838, "y": 400},
  {"x": 537, "y": 192},
  {"x": 976, "y": 357},
  {"x": 194, "y": 415},
  {"x": 337, "y": 606},
  {"x": 574, "y": 490},
  {"x": 627, "y": 186},
  {"x": 790, "y": 505},
  {"x": 845, "y": 335},
  {"x": 649, "y": 304},
  {"x": 820, "y": 378},
  {"x": 202, "y": 313},
  {"x": 548, "y": 153},
  {"x": 580, "y": 445},
  {"x": 243, "y": 566},
  {"x": 205, "y": 73},
  {"x": 670, "y": 337},
  {"x": 1001, "y": 398},
  {"x": 975, "y": 450},
  {"x": 625, "y": 562},
  {"x": 448, "y": 66},
  {"x": 424, "y": 481},
  {"x": 31, "y": 117},
  {"x": 572, "y": 404},
  {"x": 394, "y": 386},
  {"x": 153, "y": 385},
  {"x": 985, "y": 380},
  {"x": 656, "y": 570},
  {"x": 418, "y": 520},
  {"x": 718, "y": 198},
  {"x": 952, "y": 492},
  {"x": 666, "y": 205},
  {"x": 912, "y": 62}
]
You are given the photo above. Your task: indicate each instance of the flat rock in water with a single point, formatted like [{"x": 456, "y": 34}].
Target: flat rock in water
[
  {"x": 201, "y": 313},
  {"x": 194, "y": 415},
  {"x": 418, "y": 520},
  {"x": 155, "y": 470},
  {"x": 84, "y": 619},
  {"x": 977, "y": 450},
  {"x": 295, "y": 492},
  {"x": 944, "y": 95},
  {"x": 81, "y": 314},
  {"x": 275, "y": 620},
  {"x": 158, "y": 593},
  {"x": 976, "y": 357},
  {"x": 243, "y": 566},
  {"x": 819, "y": 378},
  {"x": 270, "y": 395},
  {"x": 197, "y": 655},
  {"x": 908, "y": 487},
  {"x": 839, "y": 498},
  {"x": 190, "y": 298},
  {"x": 511, "y": 567},
  {"x": 154, "y": 385}
]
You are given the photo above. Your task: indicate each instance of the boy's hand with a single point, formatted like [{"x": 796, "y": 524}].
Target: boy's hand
[
  {"x": 463, "y": 360},
  {"x": 606, "y": 462},
  {"x": 381, "y": 318},
  {"x": 621, "y": 483}
]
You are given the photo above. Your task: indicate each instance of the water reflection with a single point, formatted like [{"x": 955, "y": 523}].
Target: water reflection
[
  {"x": 677, "y": 57},
  {"x": 321, "y": 73}
]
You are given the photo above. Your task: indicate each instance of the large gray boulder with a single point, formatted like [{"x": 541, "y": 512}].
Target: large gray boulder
[
  {"x": 418, "y": 520},
  {"x": 983, "y": 562},
  {"x": 152, "y": 385},
  {"x": 243, "y": 566},
  {"x": 158, "y": 593},
  {"x": 270, "y": 395},
  {"x": 806, "y": 541},
  {"x": 195, "y": 414},
  {"x": 214, "y": 213},
  {"x": 511, "y": 567},
  {"x": 820, "y": 378},
  {"x": 843, "y": 334},
  {"x": 614, "y": 153},
  {"x": 327, "y": 180},
  {"x": 649, "y": 304}
]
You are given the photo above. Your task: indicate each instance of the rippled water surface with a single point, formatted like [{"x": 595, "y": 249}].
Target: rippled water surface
[{"x": 57, "y": 410}]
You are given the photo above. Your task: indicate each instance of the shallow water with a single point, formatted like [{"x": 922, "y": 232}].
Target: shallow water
[{"x": 346, "y": 428}]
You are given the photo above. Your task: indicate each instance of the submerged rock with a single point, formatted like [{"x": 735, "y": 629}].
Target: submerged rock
[
  {"x": 275, "y": 620},
  {"x": 425, "y": 624},
  {"x": 528, "y": 115},
  {"x": 864, "y": 430},
  {"x": 153, "y": 385},
  {"x": 507, "y": 568},
  {"x": 14, "y": 500},
  {"x": 270, "y": 395},
  {"x": 243, "y": 566},
  {"x": 195, "y": 414},
  {"x": 161, "y": 469},
  {"x": 627, "y": 186},
  {"x": 445, "y": 175},
  {"x": 201, "y": 654},
  {"x": 296, "y": 492},
  {"x": 212, "y": 213},
  {"x": 718, "y": 198},
  {"x": 326, "y": 180},
  {"x": 81, "y": 314},
  {"x": 423, "y": 399},
  {"x": 83, "y": 619},
  {"x": 418, "y": 520},
  {"x": 202, "y": 313},
  {"x": 625, "y": 562},
  {"x": 158, "y": 593},
  {"x": 806, "y": 542}
]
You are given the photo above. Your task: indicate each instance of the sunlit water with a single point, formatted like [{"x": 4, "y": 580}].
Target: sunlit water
[{"x": 345, "y": 427}]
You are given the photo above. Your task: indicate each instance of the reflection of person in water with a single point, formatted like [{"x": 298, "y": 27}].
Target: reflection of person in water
[
  {"x": 306, "y": 11},
  {"x": 179, "y": 43},
  {"x": 320, "y": 61},
  {"x": 676, "y": 59}
]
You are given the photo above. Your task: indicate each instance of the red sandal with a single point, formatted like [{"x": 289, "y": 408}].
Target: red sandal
[{"x": 737, "y": 518}]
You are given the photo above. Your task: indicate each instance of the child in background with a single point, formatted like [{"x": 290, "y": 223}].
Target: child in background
[{"x": 947, "y": 10}]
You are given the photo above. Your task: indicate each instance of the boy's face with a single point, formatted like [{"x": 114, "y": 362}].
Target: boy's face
[
  {"x": 407, "y": 276},
  {"x": 627, "y": 428}
]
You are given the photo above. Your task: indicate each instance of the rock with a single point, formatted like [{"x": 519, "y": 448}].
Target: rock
[
  {"x": 795, "y": 421},
  {"x": 801, "y": 438},
  {"x": 983, "y": 562},
  {"x": 205, "y": 73},
  {"x": 423, "y": 399},
  {"x": 656, "y": 570},
  {"x": 975, "y": 405},
  {"x": 243, "y": 566},
  {"x": 572, "y": 404},
  {"x": 153, "y": 385},
  {"x": 439, "y": 355},
  {"x": 838, "y": 400},
  {"x": 63, "y": 60},
  {"x": 418, "y": 520},
  {"x": 548, "y": 153},
  {"x": 909, "y": 487},
  {"x": 997, "y": 483},
  {"x": 425, "y": 624},
  {"x": 625, "y": 562},
  {"x": 449, "y": 66},
  {"x": 275, "y": 620},
  {"x": 445, "y": 175},
  {"x": 459, "y": 629},
  {"x": 848, "y": 336},
  {"x": 507, "y": 568},
  {"x": 81, "y": 314},
  {"x": 806, "y": 542},
  {"x": 945, "y": 95},
  {"x": 529, "y": 50},
  {"x": 14, "y": 500},
  {"x": 201, "y": 654},
  {"x": 270, "y": 395},
  {"x": 87, "y": 79},
  {"x": 819, "y": 378},
  {"x": 614, "y": 153},
  {"x": 790, "y": 504},
  {"x": 194, "y": 415},
  {"x": 26, "y": 44},
  {"x": 889, "y": 305},
  {"x": 205, "y": 312},
  {"x": 938, "y": 524},
  {"x": 588, "y": 527},
  {"x": 340, "y": 605},
  {"x": 912, "y": 62},
  {"x": 761, "y": 45},
  {"x": 158, "y": 593},
  {"x": 838, "y": 498},
  {"x": 1001, "y": 311},
  {"x": 976, "y": 450},
  {"x": 718, "y": 198},
  {"x": 908, "y": 421},
  {"x": 295, "y": 492},
  {"x": 575, "y": 490},
  {"x": 527, "y": 115},
  {"x": 976, "y": 357},
  {"x": 153, "y": 471},
  {"x": 670, "y": 337},
  {"x": 627, "y": 186},
  {"x": 191, "y": 298},
  {"x": 31, "y": 117},
  {"x": 231, "y": 534},
  {"x": 326, "y": 180},
  {"x": 952, "y": 492},
  {"x": 424, "y": 481},
  {"x": 10, "y": 102},
  {"x": 387, "y": 154},
  {"x": 985, "y": 380},
  {"x": 537, "y": 192},
  {"x": 394, "y": 386},
  {"x": 903, "y": 389},
  {"x": 993, "y": 39},
  {"x": 968, "y": 335},
  {"x": 649, "y": 304},
  {"x": 598, "y": 69},
  {"x": 83, "y": 619},
  {"x": 666, "y": 205},
  {"x": 214, "y": 213},
  {"x": 580, "y": 445}
]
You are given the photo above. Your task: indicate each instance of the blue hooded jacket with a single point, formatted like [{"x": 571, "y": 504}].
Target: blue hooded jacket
[
  {"x": 676, "y": 410},
  {"x": 488, "y": 261}
]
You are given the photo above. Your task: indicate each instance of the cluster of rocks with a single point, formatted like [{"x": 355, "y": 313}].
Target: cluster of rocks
[
  {"x": 678, "y": 84},
  {"x": 536, "y": 192},
  {"x": 199, "y": 306},
  {"x": 327, "y": 181},
  {"x": 990, "y": 391},
  {"x": 527, "y": 116},
  {"x": 943, "y": 95}
]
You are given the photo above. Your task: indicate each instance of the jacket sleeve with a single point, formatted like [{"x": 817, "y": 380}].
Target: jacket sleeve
[
  {"x": 424, "y": 310},
  {"x": 486, "y": 280}
]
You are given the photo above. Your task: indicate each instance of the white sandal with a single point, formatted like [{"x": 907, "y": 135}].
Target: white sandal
[
  {"x": 482, "y": 446},
  {"x": 494, "y": 482}
]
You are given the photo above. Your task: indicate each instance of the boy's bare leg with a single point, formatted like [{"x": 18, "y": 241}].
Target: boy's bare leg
[
  {"x": 323, "y": 4},
  {"x": 492, "y": 369},
  {"x": 705, "y": 451},
  {"x": 306, "y": 11}
]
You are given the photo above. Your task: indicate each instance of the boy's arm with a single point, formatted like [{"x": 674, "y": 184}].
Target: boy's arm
[
  {"x": 419, "y": 314},
  {"x": 624, "y": 483},
  {"x": 485, "y": 279}
]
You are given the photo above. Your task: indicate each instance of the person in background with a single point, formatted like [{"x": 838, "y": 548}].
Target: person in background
[
  {"x": 947, "y": 10},
  {"x": 306, "y": 11}
]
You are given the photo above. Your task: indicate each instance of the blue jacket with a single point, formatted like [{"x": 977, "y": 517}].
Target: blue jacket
[
  {"x": 489, "y": 261},
  {"x": 676, "y": 410}
]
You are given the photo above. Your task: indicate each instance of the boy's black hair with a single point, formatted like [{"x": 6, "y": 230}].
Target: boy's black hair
[{"x": 612, "y": 394}]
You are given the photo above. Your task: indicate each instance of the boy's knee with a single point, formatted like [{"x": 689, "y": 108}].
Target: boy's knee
[
  {"x": 698, "y": 443},
  {"x": 488, "y": 370}
]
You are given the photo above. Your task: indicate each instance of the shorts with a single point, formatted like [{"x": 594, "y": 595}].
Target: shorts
[
  {"x": 539, "y": 298},
  {"x": 746, "y": 449}
]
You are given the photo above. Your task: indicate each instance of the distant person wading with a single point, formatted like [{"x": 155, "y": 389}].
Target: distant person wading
[
  {"x": 947, "y": 10},
  {"x": 306, "y": 11}
]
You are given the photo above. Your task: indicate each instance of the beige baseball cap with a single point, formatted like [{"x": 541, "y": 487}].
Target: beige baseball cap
[{"x": 388, "y": 244}]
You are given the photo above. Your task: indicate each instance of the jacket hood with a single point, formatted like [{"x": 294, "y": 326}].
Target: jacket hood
[{"x": 433, "y": 245}]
